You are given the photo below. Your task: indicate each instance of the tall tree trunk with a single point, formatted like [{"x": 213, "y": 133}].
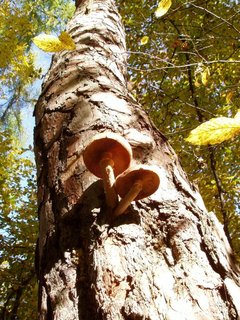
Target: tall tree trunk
[{"x": 166, "y": 257}]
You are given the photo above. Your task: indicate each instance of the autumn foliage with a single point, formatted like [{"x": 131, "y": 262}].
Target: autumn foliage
[{"x": 183, "y": 68}]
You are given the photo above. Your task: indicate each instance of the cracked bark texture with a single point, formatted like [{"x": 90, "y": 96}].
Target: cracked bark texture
[{"x": 167, "y": 257}]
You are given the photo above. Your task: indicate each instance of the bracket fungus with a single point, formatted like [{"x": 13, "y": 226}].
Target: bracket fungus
[
  {"x": 135, "y": 184},
  {"x": 106, "y": 156}
]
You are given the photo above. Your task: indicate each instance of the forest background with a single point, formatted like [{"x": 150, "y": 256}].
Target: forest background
[{"x": 184, "y": 70}]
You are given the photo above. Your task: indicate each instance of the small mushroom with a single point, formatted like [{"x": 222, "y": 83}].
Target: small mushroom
[
  {"x": 106, "y": 156},
  {"x": 135, "y": 184}
]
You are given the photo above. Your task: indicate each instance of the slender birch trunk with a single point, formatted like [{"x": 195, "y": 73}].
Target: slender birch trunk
[{"x": 167, "y": 257}]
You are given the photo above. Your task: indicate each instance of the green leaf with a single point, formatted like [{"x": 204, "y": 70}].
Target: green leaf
[
  {"x": 215, "y": 130},
  {"x": 163, "y": 7}
]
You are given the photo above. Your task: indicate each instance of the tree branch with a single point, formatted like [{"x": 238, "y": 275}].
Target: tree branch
[
  {"x": 220, "y": 192},
  {"x": 184, "y": 66},
  {"x": 211, "y": 152},
  {"x": 216, "y": 16}
]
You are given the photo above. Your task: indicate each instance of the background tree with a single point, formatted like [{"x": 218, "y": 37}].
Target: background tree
[
  {"x": 18, "y": 225},
  {"x": 167, "y": 257}
]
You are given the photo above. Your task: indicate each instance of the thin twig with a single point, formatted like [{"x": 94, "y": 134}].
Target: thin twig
[
  {"x": 216, "y": 16},
  {"x": 185, "y": 65}
]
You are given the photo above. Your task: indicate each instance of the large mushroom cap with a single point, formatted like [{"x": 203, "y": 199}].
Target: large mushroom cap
[
  {"x": 107, "y": 143},
  {"x": 147, "y": 175}
]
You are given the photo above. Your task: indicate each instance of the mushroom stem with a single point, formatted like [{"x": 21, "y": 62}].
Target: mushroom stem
[
  {"x": 128, "y": 198},
  {"x": 106, "y": 165}
]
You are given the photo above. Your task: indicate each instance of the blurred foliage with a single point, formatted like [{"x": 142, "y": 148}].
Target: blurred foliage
[
  {"x": 20, "y": 21},
  {"x": 187, "y": 73},
  {"x": 18, "y": 231}
]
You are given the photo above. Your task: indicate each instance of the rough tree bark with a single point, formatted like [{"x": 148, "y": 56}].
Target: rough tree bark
[{"x": 167, "y": 257}]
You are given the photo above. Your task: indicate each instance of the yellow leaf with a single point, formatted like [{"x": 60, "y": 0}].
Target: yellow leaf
[
  {"x": 205, "y": 75},
  {"x": 67, "y": 40},
  {"x": 215, "y": 130},
  {"x": 197, "y": 83},
  {"x": 50, "y": 43},
  {"x": 144, "y": 40},
  {"x": 229, "y": 96},
  {"x": 4, "y": 265},
  {"x": 237, "y": 116},
  {"x": 163, "y": 8}
]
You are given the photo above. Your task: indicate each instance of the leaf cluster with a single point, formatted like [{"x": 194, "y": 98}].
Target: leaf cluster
[
  {"x": 184, "y": 70},
  {"x": 20, "y": 21},
  {"x": 18, "y": 230}
]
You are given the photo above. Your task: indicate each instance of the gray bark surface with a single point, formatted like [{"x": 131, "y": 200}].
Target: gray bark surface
[{"x": 166, "y": 257}]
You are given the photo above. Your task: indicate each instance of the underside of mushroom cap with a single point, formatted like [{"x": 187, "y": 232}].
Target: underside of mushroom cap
[
  {"x": 146, "y": 175},
  {"x": 109, "y": 145}
]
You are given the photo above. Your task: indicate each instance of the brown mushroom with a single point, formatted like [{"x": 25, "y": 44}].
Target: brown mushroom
[
  {"x": 106, "y": 156},
  {"x": 135, "y": 184}
]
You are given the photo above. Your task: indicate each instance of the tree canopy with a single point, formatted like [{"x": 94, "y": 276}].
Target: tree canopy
[
  {"x": 18, "y": 230},
  {"x": 186, "y": 73},
  {"x": 20, "y": 21},
  {"x": 183, "y": 69}
]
